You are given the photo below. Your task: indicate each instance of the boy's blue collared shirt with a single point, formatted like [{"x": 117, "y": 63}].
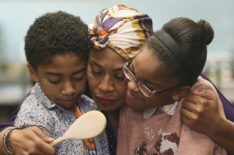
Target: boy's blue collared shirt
[{"x": 38, "y": 110}]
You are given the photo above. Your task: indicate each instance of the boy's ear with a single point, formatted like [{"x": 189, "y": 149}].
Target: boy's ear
[
  {"x": 33, "y": 73},
  {"x": 181, "y": 93}
]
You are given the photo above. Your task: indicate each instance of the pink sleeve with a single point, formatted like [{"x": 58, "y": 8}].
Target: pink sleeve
[{"x": 198, "y": 144}]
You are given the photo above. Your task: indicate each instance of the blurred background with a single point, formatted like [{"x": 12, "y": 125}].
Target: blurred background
[{"x": 17, "y": 15}]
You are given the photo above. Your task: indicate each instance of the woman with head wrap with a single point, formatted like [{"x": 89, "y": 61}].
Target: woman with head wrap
[{"x": 115, "y": 36}]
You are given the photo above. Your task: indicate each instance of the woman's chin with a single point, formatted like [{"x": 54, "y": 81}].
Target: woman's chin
[{"x": 108, "y": 107}]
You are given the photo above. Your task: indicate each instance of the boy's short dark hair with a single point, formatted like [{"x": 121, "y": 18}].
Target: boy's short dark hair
[{"x": 55, "y": 33}]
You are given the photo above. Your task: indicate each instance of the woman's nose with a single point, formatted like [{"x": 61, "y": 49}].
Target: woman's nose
[{"x": 106, "y": 85}]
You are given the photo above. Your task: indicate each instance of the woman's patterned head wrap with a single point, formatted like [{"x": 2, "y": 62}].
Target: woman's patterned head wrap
[{"x": 120, "y": 28}]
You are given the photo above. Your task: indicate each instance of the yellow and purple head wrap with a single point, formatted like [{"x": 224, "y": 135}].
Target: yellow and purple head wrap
[{"x": 120, "y": 28}]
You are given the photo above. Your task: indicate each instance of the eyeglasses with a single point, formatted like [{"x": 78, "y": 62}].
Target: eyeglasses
[{"x": 147, "y": 92}]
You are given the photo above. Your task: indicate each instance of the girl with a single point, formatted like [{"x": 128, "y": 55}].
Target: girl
[{"x": 160, "y": 77}]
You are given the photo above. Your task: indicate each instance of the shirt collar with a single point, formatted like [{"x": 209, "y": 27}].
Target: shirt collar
[{"x": 168, "y": 109}]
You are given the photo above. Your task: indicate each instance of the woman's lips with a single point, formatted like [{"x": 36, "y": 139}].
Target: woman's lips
[{"x": 104, "y": 101}]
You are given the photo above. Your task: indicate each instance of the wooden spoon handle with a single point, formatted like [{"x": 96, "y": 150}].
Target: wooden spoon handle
[{"x": 57, "y": 141}]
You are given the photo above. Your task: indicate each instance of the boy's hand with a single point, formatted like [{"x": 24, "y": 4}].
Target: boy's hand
[
  {"x": 200, "y": 111},
  {"x": 32, "y": 141}
]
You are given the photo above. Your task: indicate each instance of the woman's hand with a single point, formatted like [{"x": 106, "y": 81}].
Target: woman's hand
[
  {"x": 31, "y": 140},
  {"x": 200, "y": 111}
]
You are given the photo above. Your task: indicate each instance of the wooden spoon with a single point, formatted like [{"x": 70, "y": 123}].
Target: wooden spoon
[{"x": 88, "y": 125}]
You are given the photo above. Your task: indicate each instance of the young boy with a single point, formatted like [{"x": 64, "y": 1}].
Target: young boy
[
  {"x": 56, "y": 48},
  {"x": 161, "y": 76}
]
